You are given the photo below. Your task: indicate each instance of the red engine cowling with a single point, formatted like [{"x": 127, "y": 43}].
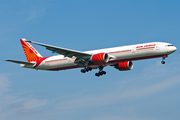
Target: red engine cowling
[
  {"x": 124, "y": 66},
  {"x": 100, "y": 58}
]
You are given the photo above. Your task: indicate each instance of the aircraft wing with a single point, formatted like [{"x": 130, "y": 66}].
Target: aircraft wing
[
  {"x": 64, "y": 51},
  {"x": 20, "y": 62}
]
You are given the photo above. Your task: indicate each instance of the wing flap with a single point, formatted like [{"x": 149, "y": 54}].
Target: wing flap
[
  {"x": 20, "y": 62},
  {"x": 63, "y": 51}
]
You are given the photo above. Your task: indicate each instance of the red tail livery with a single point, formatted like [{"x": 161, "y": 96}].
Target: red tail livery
[{"x": 30, "y": 53}]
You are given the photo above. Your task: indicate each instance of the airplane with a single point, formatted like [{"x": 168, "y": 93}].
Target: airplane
[{"x": 119, "y": 57}]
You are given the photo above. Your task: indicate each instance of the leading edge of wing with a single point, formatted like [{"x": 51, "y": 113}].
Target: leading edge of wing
[{"x": 63, "y": 51}]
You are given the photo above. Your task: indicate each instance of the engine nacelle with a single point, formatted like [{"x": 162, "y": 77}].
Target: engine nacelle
[
  {"x": 124, "y": 66},
  {"x": 100, "y": 58}
]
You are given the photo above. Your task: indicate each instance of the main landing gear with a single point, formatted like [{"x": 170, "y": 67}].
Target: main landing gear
[
  {"x": 86, "y": 69},
  {"x": 101, "y": 72},
  {"x": 163, "y": 58}
]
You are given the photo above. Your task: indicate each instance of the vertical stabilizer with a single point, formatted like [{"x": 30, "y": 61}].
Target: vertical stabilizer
[{"x": 30, "y": 53}]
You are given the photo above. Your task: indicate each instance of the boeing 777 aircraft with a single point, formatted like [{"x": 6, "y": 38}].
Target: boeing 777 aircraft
[{"x": 119, "y": 57}]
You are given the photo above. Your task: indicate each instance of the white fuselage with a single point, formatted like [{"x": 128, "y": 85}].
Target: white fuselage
[{"x": 116, "y": 54}]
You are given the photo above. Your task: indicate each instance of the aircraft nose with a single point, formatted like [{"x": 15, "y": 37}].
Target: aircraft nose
[
  {"x": 172, "y": 49},
  {"x": 175, "y": 48}
]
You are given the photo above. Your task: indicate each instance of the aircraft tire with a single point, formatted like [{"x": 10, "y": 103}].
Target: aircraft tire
[
  {"x": 83, "y": 71},
  {"x": 97, "y": 74}
]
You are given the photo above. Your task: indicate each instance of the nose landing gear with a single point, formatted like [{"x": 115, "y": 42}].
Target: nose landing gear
[
  {"x": 163, "y": 62},
  {"x": 163, "y": 58}
]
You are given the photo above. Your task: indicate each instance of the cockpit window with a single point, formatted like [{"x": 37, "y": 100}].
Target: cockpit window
[{"x": 169, "y": 45}]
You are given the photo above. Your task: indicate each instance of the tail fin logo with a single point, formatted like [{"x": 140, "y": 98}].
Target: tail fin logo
[{"x": 30, "y": 53}]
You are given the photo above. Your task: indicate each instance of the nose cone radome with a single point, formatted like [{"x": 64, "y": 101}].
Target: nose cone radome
[{"x": 173, "y": 49}]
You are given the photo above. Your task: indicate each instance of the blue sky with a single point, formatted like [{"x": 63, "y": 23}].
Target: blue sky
[{"x": 148, "y": 92}]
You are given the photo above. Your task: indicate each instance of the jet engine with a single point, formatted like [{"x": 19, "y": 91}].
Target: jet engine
[
  {"x": 124, "y": 66},
  {"x": 100, "y": 58}
]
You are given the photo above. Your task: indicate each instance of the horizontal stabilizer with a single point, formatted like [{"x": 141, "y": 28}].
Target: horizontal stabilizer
[{"x": 20, "y": 62}]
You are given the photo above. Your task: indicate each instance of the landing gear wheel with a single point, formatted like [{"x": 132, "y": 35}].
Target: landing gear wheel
[
  {"x": 97, "y": 74},
  {"x": 104, "y": 72},
  {"x": 83, "y": 71},
  {"x": 86, "y": 69},
  {"x": 163, "y": 62},
  {"x": 101, "y": 73},
  {"x": 90, "y": 68}
]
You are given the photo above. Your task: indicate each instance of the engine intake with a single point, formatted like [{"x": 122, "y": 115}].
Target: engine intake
[
  {"x": 124, "y": 66},
  {"x": 100, "y": 58}
]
